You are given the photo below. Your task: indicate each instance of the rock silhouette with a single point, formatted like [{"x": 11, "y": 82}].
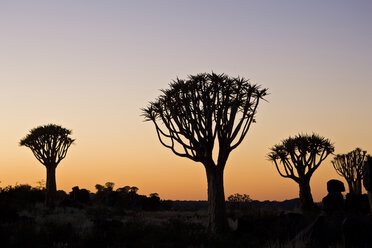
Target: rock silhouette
[{"x": 333, "y": 203}]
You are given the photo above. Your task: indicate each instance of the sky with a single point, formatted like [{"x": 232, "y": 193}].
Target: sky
[{"x": 91, "y": 66}]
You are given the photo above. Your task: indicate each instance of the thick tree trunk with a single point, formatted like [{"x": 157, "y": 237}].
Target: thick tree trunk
[
  {"x": 355, "y": 187},
  {"x": 351, "y": 187},
  {"x": 306, "y": 199},
  {"x": 358, "y": 187},
  {"x": 51, "y": 187},
  {"x": 217, "y": 221}
]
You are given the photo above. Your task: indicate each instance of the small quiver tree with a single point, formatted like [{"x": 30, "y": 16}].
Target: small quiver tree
[
  {"x": 297, "y": 158},
  {"x": 49, "y": 144},
  {"x": 350, "y": 166},
  {"x": 193, "y": 114}
]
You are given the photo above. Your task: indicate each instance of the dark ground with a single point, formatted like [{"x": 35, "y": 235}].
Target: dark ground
[{"x": 125, "y": 219}]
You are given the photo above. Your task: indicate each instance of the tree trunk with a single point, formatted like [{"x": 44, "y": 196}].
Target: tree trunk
[
  {"x": 358, "y": 187},
  {"x": 51, "y": 187},
  {"x": 306, "y": 199},
  {"x": 217, "y": 221},
  {"x": 355, "y": 187},
  {"x": 351, "y": 187}
]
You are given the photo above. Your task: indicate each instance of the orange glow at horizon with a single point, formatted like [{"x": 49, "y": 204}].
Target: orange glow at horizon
[
  {"x": 92, "y": 66},
  {"x": 157, "y": 169}
]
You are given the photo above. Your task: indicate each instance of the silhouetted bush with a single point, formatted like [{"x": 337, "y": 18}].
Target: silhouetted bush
[
  {"x": 238, "y": 201},
  {"x": 126, "y": 198},
  {"x": 21, "y": 196},
  {"x": 357, "y": 204},
  {"x": 79, "y": 195},
  {"x": 124, "y": 218},
  {"x": 357, "y": 231}
]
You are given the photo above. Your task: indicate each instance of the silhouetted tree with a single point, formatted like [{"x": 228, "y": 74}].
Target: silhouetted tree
[
  {"x": 79, "y": 195},
  {"x": 239, "y": 198},
  {"x": 238, "y": 201},
  {"x": 99, "y": 187},
  {"x": 350, "y": 166},
  {"x": 124, "y": 190},
  {"x": 133, "y": 190},
  {"x": 109, "y": 186},
  {"x": 300, "y": 157},
  {"x": 106, "y": 194},
  {"x": 154, "y": 195},
  {"x": 41, "y": 184},
  {"x": 193, "y": 113},
  {"x": 49, "y": 144}
]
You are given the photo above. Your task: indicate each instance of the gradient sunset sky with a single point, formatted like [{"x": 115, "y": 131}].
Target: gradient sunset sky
[{"x": 90, "y": 66}]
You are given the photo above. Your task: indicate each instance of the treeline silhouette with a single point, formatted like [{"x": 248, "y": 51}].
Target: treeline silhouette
[
  {"x": 16, "y": 198},
  {"x": 23, "y": 196}
]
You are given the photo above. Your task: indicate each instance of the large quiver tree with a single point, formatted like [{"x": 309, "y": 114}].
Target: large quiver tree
[
  {"x": 350, "y": 166},
  {"x": 297, "y": 158},
  {"x": 49, "y": 144},
  {"x": 192, "y": 114}
]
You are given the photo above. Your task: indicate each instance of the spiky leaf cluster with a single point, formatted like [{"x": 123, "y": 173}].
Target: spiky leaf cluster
[
  {"x": 192, "y": 113},
  {"x": 49, "y": 143},
  {"x": 300, "y": 156}
]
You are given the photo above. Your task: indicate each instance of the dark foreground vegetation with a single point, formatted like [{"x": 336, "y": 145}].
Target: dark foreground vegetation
[
  {"x": 190, "y": 118},
  {"x": 124, "y": 218}
]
